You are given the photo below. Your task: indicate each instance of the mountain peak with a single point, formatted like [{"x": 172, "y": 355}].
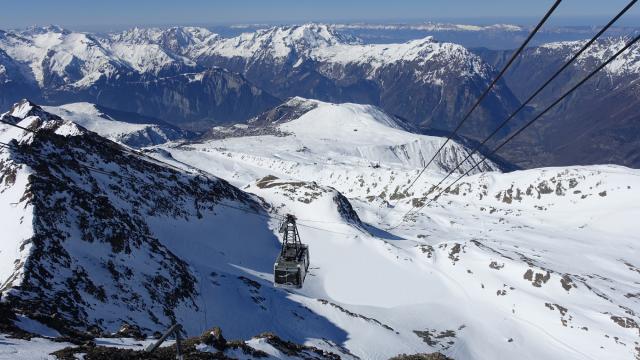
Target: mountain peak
[
  {"x": 281, "y": 42},
  {"x": 25, "y": 108},
  {"x": 316, "y": 34},
  {"x": 627, "y": 63},
  {"x": 32, "y": 116}
]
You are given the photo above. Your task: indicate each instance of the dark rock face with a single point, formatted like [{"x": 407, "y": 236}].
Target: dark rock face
[
  {"x": 213, "y": 337},
  {"x": 598, "y": 124},
  {"x": 193, "y": 101},
  {"x": 432, "y": 356},
  {"x": 13, "y": 84},
  {"x": 91, "y": 248},
  {"x": 205, "y": 347}
]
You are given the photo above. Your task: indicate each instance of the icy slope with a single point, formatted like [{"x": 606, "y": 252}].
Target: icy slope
[
  {"x": 134, "y": 133},
  {"x": 534, "y": 264}
]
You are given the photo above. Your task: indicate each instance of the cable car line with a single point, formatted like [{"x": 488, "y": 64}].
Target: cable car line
[
  {"x": 567, "y": 93},
  {"x": 530, "y": 98},
  {"x": 483, "y": 95}
]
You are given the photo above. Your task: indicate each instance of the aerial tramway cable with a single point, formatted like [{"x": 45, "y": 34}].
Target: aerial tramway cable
[
  {"x": 511, "y": 137},
  {"x": 483, "y": 95},
  {"x": 529, "y": 99}
]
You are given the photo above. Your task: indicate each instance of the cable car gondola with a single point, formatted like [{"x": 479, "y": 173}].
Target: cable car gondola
[{"x": 292, "y": 264}]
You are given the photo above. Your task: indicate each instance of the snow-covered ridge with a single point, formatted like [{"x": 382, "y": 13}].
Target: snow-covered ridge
[
  {"x": 126, "y": 128},
  {"x": 108, "y": 229},
  {"x": 431, "y": 26},
  {"x": 322, "y": 43},
  {"x": 53, "y": 56},
  {"x": 58, "y": 57},
  {"x": 279, "y": 42},
  {"x": 627, "y": 63},
  {"x": 24, "y": 110},
  {"x": 422, "y": 52},
  {"x": 178, "y": 41},
  {"x": 129, "y": 130}
]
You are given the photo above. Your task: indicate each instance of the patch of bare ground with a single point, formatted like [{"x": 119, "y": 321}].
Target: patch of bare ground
[
  {"x": 625, "y": 322},
  {"x": 536, "y": 278},
  {"x": 564, "y": 319},
  {"x": 432, "y": 356},
  {"x": 443, "y": 339},
  {"x": 211, "y": 341}
]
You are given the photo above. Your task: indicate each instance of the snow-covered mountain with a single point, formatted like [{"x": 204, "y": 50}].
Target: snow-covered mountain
[
  {"x": 332, "y": 135},
  {"x": 186, "y": 41},
  {"x": 278, "y": 44},
  {"x": 316, "y": 61},
  {"x": 58, "y": 57},
  {"x": 101, "y": 236},
  {"x": 82, "y": 220},
  {"x": 178, "y": 75},
  {"x": 530, "y": 264},
  {"x": 309, "y": 60},
  {"x": 127, "y": 128},
  {"x": 433, "y": 26},
  {"x": 597, "y": 124},
  {"x": 142, "y": 71},
  {"x": 628, "y": 62}
]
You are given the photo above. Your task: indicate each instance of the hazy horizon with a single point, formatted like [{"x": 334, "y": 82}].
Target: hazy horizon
[
  {"x": 565, "y": 22},
  {"x": 118, "y": 14}
]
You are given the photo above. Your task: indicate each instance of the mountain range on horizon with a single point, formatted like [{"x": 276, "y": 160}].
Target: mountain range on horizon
[{"x": 195, "y": 79}]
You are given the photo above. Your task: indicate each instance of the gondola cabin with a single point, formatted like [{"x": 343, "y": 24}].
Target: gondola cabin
[{"x": 292, "y": 264}]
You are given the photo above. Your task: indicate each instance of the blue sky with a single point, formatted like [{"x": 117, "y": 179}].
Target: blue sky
[{"x": 84, "y": 13}]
